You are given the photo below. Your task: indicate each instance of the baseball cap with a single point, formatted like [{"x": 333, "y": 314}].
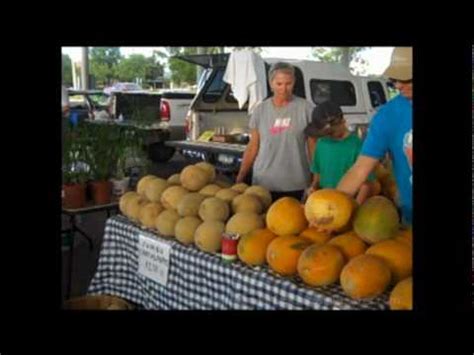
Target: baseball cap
[{"x": 323, "y": 118}]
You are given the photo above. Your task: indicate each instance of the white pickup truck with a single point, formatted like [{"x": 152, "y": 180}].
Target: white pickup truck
[{"x": 215, "y": 109}]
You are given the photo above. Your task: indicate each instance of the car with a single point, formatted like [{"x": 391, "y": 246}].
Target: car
[{"x": 123, "y": 87}]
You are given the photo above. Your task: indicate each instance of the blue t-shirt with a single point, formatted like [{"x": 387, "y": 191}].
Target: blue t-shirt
[{"x": 391, "y": 131}]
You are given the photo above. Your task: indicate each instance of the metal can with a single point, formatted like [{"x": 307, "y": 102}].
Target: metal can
[{"x": 229, "y": 246}]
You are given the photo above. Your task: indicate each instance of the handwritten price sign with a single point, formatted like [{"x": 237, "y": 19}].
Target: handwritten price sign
[{"x": 153, "y": 258}]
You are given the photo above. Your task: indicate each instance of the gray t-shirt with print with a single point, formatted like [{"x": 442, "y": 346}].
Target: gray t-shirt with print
[{"x": 282, "y": 160}]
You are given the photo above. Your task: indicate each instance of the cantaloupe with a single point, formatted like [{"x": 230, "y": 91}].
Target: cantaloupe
[
  {"x": 166, "y": 222},
  {"x": 223, "y": 184},
  {"x": 247, "y": 203},
  {"x": 193, "y": 178},
  {"x": 214, "y": 209},
  {"x": 405, "y": 235},
  {"x": 240, "y": 187},
  {"x": 210, "y": 190},
  {"x": 142, "y": 183},
  {"x": 171, "y": 197},
  {"x": 286, "y": 216},
  {"x": 154, "y": 188},
  {"x": 174, "y": 180},
  {"x": 133, "y": 206},
  {"x": 124, "y": 199},
  {"x": 401, "y": 297},
  {"x": 320, "y": 265},
  {"x": 315, "y": 236},
  {"x": 208, "y": 236},
  {"x": 226, "y": 195},
  {"x": 365, "y": 276},
  {"x": 397, "y": 255},
  {"x": 283, "y": 253},
  {"x": 209, "y": 169},
  {"x": 329, "y": 210},
  {"x": 349, "y": 244},
  {"x": 243, "y": 223},
  {"x": 185, "y": 228},
  {"x": 252, "y": 247},
  {"x": 189, "y": 204},
  {"x": 262, "y": 193},
  {"x": 376, "y": 220},
  {"x": 148, "y": 214}
]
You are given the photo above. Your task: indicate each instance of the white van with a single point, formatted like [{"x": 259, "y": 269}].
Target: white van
[{"x": 214, "y": 110}]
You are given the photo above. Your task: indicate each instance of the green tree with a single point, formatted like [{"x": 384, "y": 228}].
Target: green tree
[
  {"x": 66, "y": 70},
  {"x": 131, "y": 68},
  {"x": 103, "y": 63},
  {"x": 181, "y": 71},
  {"x": 343, "y": 55}
]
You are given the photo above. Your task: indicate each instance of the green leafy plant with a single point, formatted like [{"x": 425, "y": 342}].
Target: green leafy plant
[{"x": 75, "y": 168}]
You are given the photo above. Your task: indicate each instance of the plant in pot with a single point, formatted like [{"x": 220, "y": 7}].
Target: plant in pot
[
  {"x": 75, "y": 170},
  {"x": 103, "y": 150}
]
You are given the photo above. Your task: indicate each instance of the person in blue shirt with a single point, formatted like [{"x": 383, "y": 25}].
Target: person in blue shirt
[{"x": 390, "y": 132}]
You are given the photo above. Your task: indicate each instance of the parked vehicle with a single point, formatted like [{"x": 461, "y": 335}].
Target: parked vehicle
[
  {"x": 214, "y": 108},
  {"x": 174, "y": 107},
  {"x": 122, "y": 87}
]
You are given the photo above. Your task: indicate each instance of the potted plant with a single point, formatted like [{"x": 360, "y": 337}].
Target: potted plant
[{"x": 75, "y": 171}]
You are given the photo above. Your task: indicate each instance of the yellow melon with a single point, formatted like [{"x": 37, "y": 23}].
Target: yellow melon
[
  {"x": 320, "y": 265},
  {"x": 223, "y": 184},
  {"x": 283, "y": 253},
  {"x": 397, "y": 255},
  {"x": 405, "y": 235},
  {"x": 226, "y": 195},
  {"x": 142, "y": 183},
  {"x": 166, "y": 222},
  {"x": 401, "y": 297},
  {"x": 148, "y": 214},
  {"x": 240, "y": 187},
  {"x": 247, "y": 203},
  {"x": 252, "y": 247},
  {"x": 154, "y": 188},
  {"x": 124, "y": 199},
  {"x": 365, "y": 276},
  {"x": 210, "y": 190},
  {"x": 349, "y": 244},
  {"x": 133, "y": 206},
  {"x": 315, "y": 236},
  {"x": 171, "y": 197},
  {"x": 209, "y": 169},
  {"x": 193, "y": 178},
  {"x": 262, "y": 193},
  {"x": 189, "y": 204},
  {"x": 286, "y": 216},
  {"x": 214, "y": 209},
  {"x": 208, "y": 236},
  {"x": 244, "y": 222},
  {"x": 185, "y": 228},
  {"x": 174, "y": 180},
  {"x": 329, "y": 209}
]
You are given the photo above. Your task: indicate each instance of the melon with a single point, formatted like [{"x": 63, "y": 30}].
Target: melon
[
  {"x": 142, "y": 183},
  {"x": 252, "y": 247},
  {"x": 154, "y": 188},
  {"x": 397, "y": 255},
  {"x": 171, "y": 197},
  {"x": 286, "y": 217},
  {"x": 223, "y": 184},
  {"x": 315, "y": 236},
  {"x": 227, "y": 195},
  {"x": 210, "y": 190},
  {"x": 209, "y": 169},
  {"x": 247, "y": 203},
  {"x": 240, "y": 187},
  {"x": 401, "y": 297},
  {"x": 349, "y": 244},
  {"x": 320, "y": 265},
  {"x": 376, "y": 220},
  {"x": 329, "y": 210},
  {"x": 365, "y": 276},
  {"x": 262, "y": 193},
  {"x": 166, "y": 221},
  {"x": 283, "y": 253},
  {"x": 133, "y": 206},
  {"x": 244, "y": 222},
  {"x": 185, "y": 228},
  {"x": 124, "y": 199},
  {"x": 405, "y": 235},
  {"x": 214, "y": 209},
  {"x": 193, "y": 178},
  {"x": 174, "y": 180},
  {"x": 148, "y": 214},
  {"x": 189, "y": 204},
  {"x": 208, "y": 236}
]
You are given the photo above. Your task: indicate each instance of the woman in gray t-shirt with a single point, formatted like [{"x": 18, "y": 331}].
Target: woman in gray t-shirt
[{"x": 278, "y": 149}]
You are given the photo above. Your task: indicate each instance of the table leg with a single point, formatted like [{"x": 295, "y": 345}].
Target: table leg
[{"x": 70, "y": 266}]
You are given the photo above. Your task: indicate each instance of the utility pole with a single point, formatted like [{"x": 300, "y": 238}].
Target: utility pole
[{"x": 85, "y": 68}]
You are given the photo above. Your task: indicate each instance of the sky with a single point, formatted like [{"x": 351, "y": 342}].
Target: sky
[{"x": 378, "y": 58}]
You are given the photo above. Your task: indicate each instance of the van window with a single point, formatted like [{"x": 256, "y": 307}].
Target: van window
[
  {"x": 340, "y": 92},
  {"x": 376, "y": 93}
]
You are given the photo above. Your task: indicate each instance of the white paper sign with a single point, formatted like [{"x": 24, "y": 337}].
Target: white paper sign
[{"x": 153, "y": 258}]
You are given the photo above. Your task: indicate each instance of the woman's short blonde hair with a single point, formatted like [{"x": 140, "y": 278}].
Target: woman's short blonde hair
[{"x": 281, "y": 67}]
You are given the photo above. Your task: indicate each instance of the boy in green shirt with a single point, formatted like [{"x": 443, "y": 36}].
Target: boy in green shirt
[{"x": 336, "y": 149}]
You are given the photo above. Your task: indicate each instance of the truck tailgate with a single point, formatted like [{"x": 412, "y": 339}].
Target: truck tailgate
[{"x": 212, "y": 147}]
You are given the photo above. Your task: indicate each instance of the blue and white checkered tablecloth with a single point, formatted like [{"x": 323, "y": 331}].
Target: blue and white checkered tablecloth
[{"x": 201, "y": 281}]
